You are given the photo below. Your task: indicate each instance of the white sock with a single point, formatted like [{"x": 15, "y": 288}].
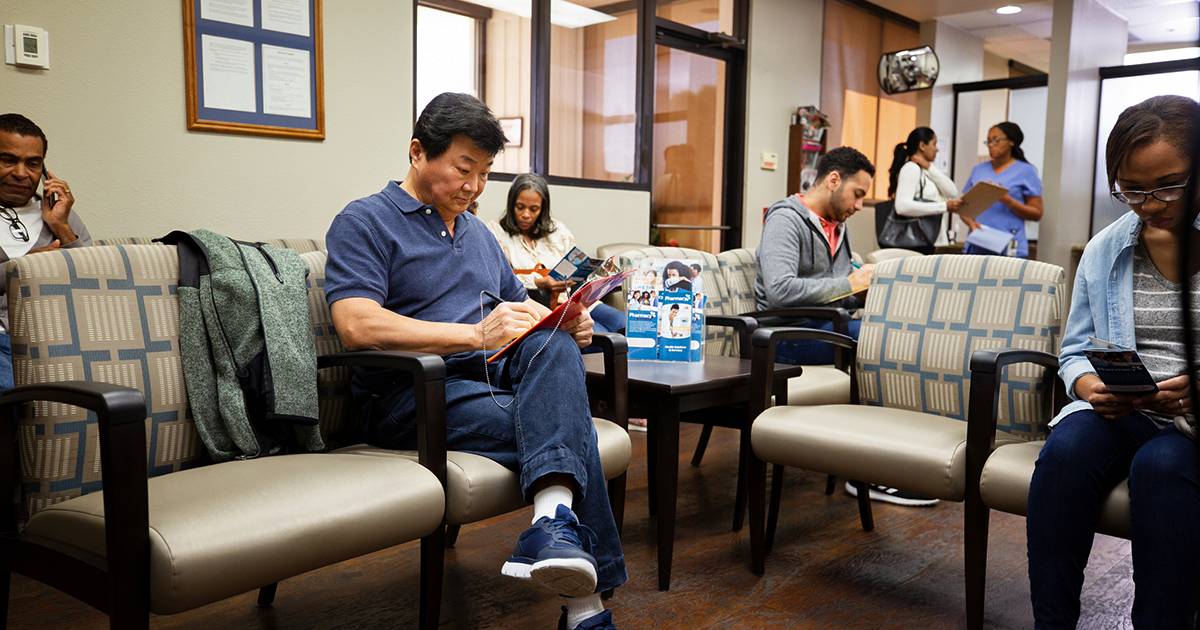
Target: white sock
[
  {"x": 580, "y": 608},
  {"x": 547, "y": 500}
]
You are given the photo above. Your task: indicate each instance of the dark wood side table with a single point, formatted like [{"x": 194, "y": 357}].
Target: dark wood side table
[{"x": 666, "y": 393}]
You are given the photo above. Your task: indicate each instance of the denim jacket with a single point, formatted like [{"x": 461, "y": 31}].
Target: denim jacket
[{"x": 1101, "y": 303}]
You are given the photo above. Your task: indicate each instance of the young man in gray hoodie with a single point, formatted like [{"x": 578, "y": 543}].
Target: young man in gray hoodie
[
  {"x": 804, "y": 260},
  {"x": 804, "y": 256}
]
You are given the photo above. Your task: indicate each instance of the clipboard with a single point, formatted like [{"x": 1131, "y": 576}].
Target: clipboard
[
  {"x": 843, "y": 296},
  {"x": 980, "y": 198},
  {"x": 582, "y": 299}
]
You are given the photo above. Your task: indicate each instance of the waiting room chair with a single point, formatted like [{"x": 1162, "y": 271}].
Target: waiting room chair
[
  {"x": 298, "y": 245},
  {"x": 478, "y": 488},
  {"x": 124, "y": 509},
  {"x": 912, "y": 389}
]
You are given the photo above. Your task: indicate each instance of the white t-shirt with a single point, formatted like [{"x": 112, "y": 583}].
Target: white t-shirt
[{"x": 30, "y": 215}]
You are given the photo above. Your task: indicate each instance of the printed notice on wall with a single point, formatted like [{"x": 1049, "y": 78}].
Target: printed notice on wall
[
  {"x": 286, "y": 81},
  {"x": 286, "y": 16},
  {"x": 228, "y": 73},
  {"x": 228, "y": 11}
]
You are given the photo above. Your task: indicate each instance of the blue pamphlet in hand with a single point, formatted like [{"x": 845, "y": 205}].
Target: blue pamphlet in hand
[
  {"x": 576, "y": 265},
  {"x": 1120, "y": 368}
]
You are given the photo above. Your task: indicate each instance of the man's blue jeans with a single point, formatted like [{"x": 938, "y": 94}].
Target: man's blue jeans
[
  {"x": 812, "y": 352},
  {"x": 1085, "y": 457},
  {"x": 6, "y": 364},
  {"x": 544, "y": 428}
]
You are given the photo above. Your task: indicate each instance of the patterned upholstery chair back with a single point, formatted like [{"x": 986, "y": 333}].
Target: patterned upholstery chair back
[
  {"x": 740, "y": 267},
  {"x": 110, "y": 314},
  {"x": 298, "y": 245},
  {"x": 718, "y": 340},
  {"x": 926, "y": 315}
]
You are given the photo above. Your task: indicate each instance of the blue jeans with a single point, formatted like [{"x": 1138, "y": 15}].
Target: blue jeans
[
  {"x": 6, "y": 366},
  {"x": 547, "y": 430},
  {"x": 1084, "y": 458},
  {"x": 812, "y": 352},
  {"x": 608, "y": 319}
]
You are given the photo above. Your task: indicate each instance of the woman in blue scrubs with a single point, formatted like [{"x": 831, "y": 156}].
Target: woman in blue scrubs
[{"x": 1008, "y": 168}]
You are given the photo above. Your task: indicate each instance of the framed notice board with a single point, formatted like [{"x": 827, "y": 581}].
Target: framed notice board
[{"x": 254, "y": 67}]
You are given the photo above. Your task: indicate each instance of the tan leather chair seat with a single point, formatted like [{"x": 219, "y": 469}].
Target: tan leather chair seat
[
  {"x": 819, "y": 385},
  {"x": 906, "y": 449},
  {"x": 220, "y": 530},
  {"x": 479, "y": 488},
  {"x": 1005, "y": 487}
]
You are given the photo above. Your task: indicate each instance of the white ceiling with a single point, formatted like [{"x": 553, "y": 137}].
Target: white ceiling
[{"x": 1026, "y": 35}]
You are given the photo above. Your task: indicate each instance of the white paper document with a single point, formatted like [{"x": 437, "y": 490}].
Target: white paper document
[
  {"x": 228, "y": 73},
  {"x": 228, "y": 11},
  {"x": 286, "y": 82},
  {"x": 286, "y": 16}
]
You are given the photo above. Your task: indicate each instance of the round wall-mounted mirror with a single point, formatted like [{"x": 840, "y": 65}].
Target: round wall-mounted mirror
[{"x": 908, "y": 70}]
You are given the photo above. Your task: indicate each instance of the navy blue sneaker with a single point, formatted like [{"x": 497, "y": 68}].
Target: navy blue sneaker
[
  {"x": 599, "y": 621},
  {"x": 553, "y": 554}
]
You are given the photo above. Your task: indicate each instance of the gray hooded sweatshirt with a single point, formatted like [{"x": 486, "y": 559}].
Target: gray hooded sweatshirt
[{"x": 795, "y": 267}]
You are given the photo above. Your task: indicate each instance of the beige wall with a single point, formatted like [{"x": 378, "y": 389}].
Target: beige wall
[
  {"x": 113, "y": 107},
  {"x": 784, "y": 73},
  {"x": 1083, "y": 36}
]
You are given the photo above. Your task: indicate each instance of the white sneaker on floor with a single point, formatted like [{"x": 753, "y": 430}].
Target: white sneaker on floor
[{"x": 892, "y": 495}]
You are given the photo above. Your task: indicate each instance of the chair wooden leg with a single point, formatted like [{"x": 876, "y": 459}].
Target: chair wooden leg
[
  {"x": 266, "y": 595},
  {"x": 756, "y": 480},
  {"x": 830, "y": 484},
  {"x": 776, "y": 499},
  {"x": 616, "y": 499},
  {"x": 864, "y": 505},
  {"x": 5, "y": 582},
  {"x": 701, "y": 445},
  {"x": 452, "y": 535},
  {"x": 433, "y": 556},
  {"x": 975, "y": 526},
  {"x": 739, "y": 500}
]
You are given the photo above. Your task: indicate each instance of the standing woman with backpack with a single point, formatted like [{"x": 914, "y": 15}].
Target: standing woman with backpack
[{"x": 918, "y": 187}]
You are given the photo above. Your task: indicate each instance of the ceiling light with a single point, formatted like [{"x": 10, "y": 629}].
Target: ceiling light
[
  {"x": 1008, "y": 9},
  {"x": 562, "y": 13}
]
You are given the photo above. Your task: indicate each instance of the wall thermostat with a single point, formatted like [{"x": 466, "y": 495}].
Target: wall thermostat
[{"x": 26, "y": 46}]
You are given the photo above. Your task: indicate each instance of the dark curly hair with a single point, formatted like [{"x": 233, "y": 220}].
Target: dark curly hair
[
  {"x": 1169, "y": 118},
  {"x": 22, "y": 126},
  {"x": 544, "y": 224},
  {"x": 847, "y": 161}
]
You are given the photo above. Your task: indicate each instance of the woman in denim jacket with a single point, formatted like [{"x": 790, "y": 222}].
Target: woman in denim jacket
[{"x": 1127, "y": 291}]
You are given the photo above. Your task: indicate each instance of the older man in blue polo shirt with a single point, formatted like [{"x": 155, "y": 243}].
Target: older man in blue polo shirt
[{"x": 411, "y": 269}]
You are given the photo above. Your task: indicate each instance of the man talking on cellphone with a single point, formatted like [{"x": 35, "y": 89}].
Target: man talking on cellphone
[
  {"x": 410, "y": 268},
  {"x": 32, "y": 223}
]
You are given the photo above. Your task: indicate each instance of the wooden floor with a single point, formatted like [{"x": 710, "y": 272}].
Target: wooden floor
[{"x": 823, "y": 573}]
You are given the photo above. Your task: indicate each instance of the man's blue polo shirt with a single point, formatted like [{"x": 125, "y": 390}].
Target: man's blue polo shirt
[{"x": 395, "y": 250}]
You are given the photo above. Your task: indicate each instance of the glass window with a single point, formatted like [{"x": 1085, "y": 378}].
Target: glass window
[
  {"x": 689, "y": 150},
  {"x": 593, "y": 93},
  {"x": 715, "y": 16},
  {"x": 450, "y": 39}
]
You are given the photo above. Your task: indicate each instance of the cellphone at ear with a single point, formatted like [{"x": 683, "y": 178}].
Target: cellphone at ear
[{"x": 45, "y": 179}]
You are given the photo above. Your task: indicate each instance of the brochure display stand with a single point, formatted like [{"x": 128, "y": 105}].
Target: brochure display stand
[{"x": 665, "y": 311}]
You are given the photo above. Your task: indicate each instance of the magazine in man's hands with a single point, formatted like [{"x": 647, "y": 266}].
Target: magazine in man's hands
[
  {"x": 580, "y": 300},
  {"x": 1120, "y": 368}
]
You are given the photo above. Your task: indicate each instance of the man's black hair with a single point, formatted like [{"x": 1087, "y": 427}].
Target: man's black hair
[
  {"x": 450, "y": 114},
  {"x": 22, "y": 126},
  {"x": 847, "y": 161}
]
